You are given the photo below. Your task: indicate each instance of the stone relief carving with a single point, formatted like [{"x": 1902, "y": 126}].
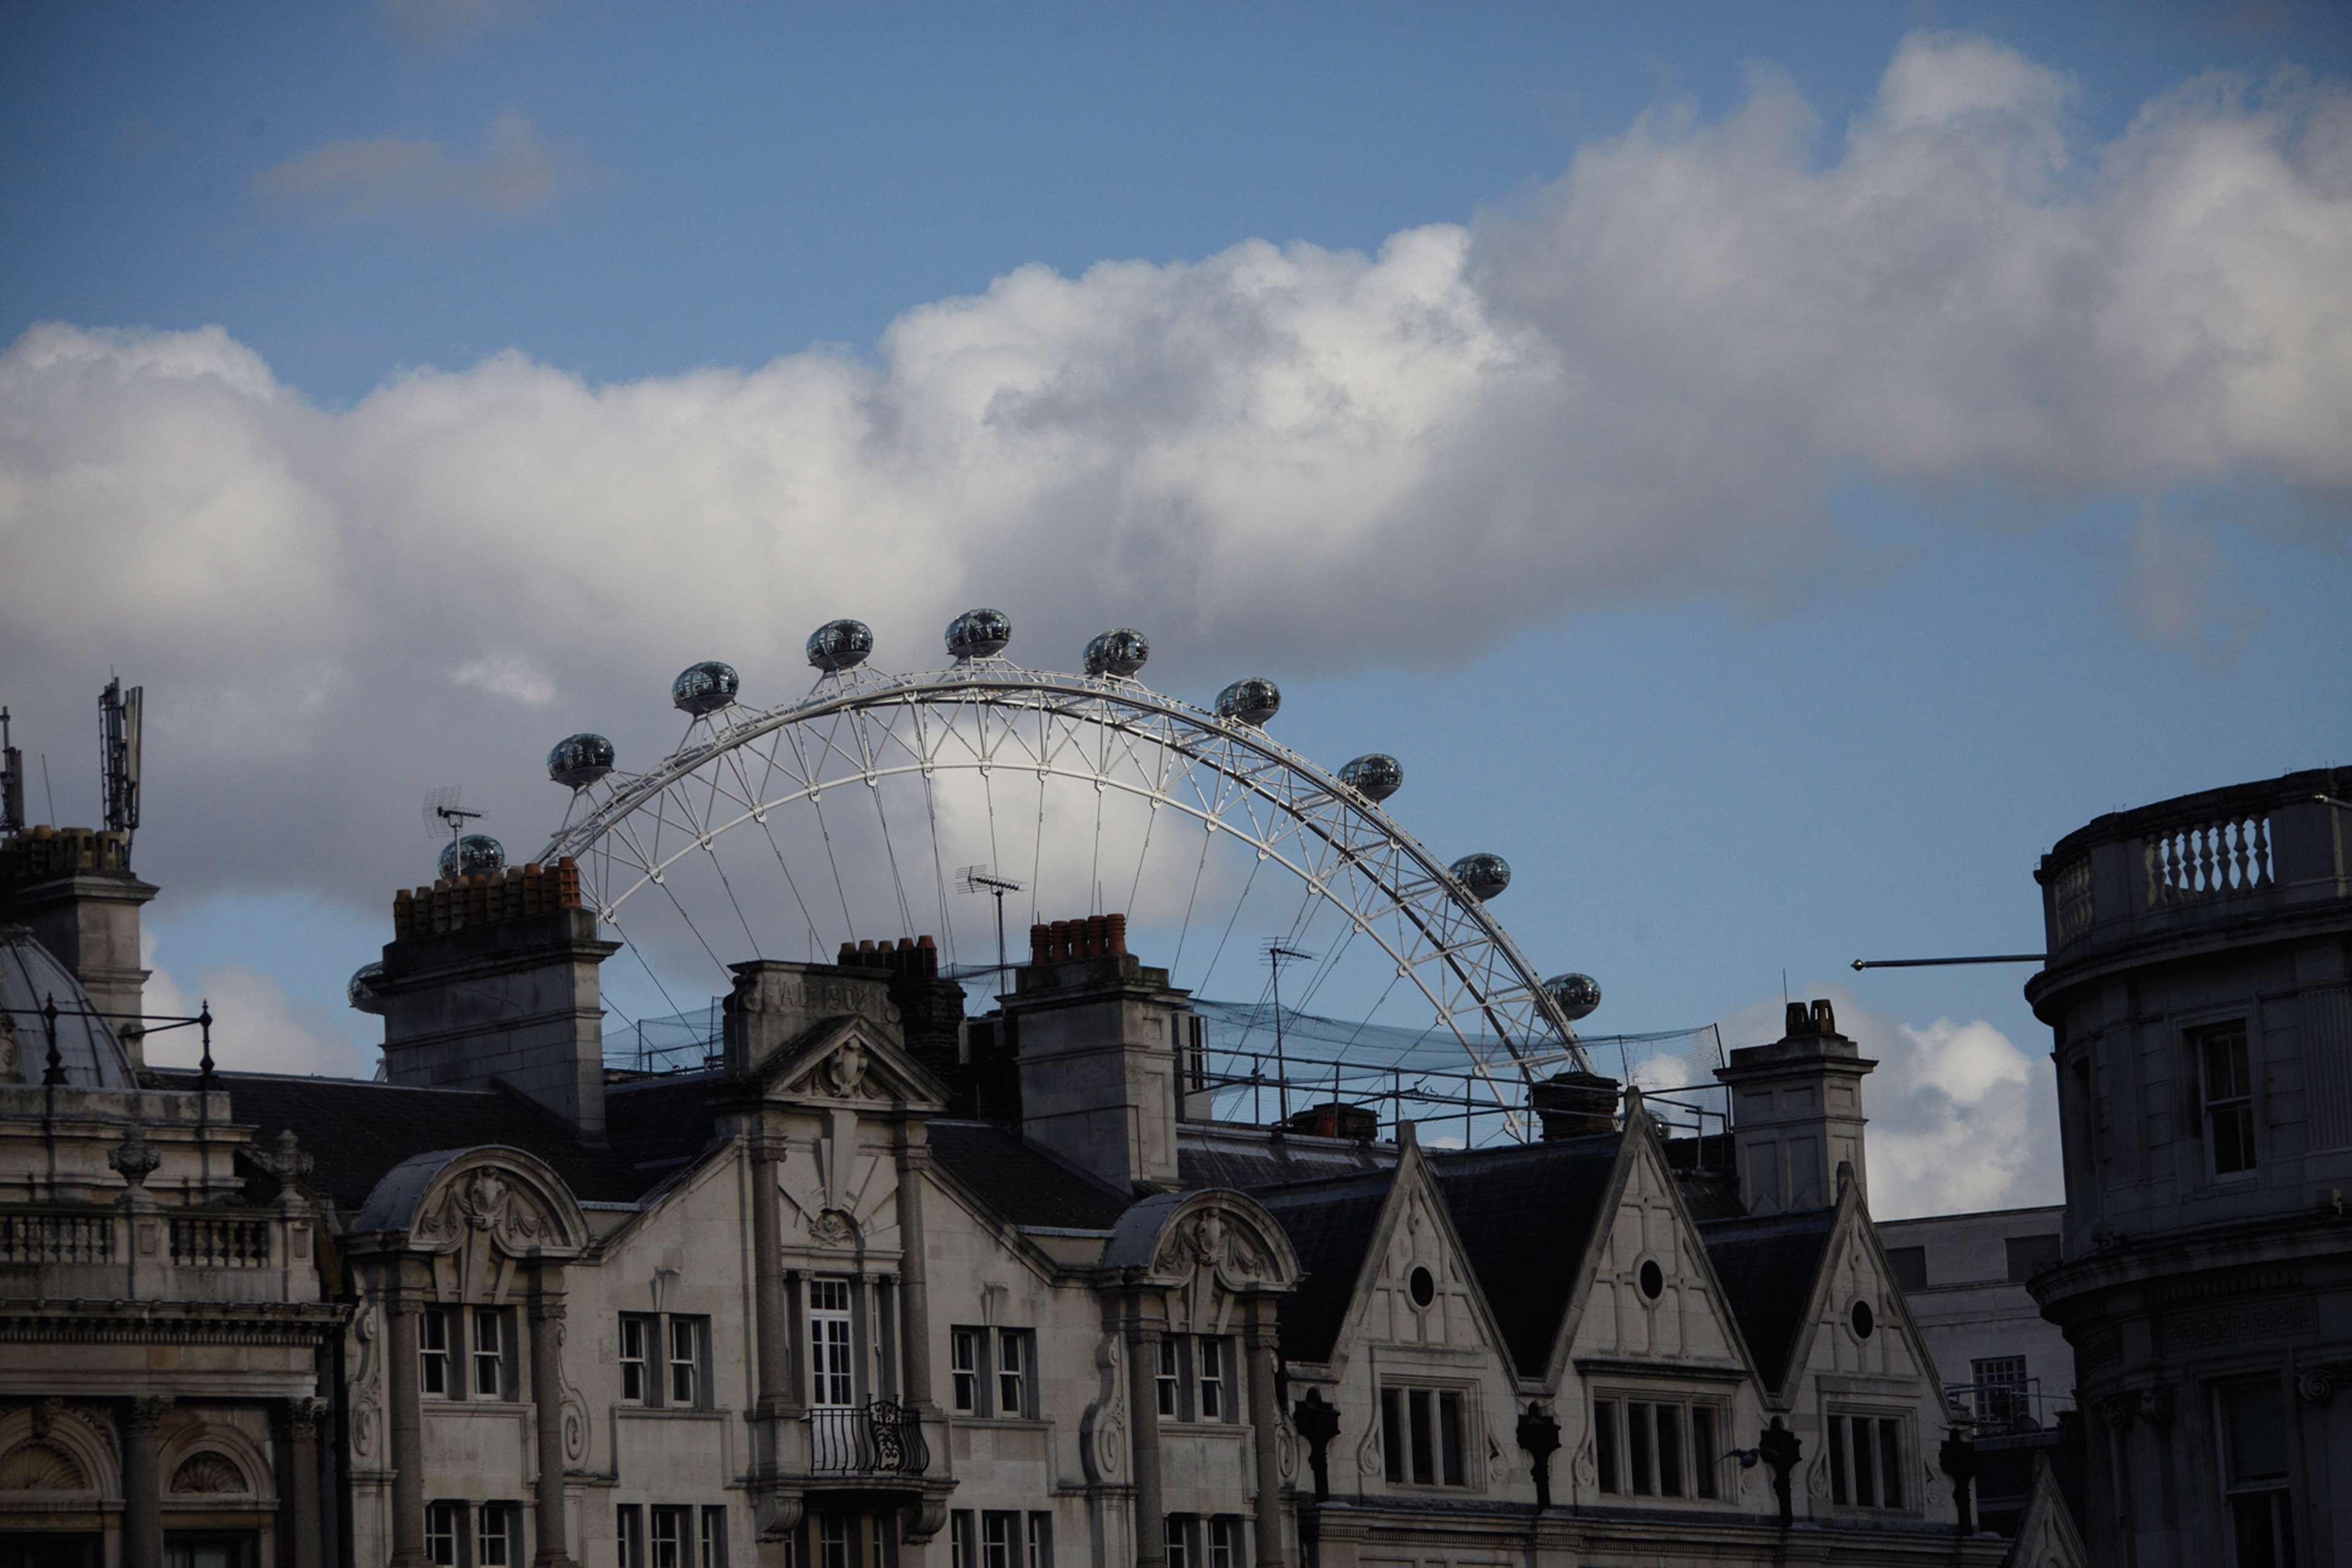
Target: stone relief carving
[
  {"x": 1817, "y": 1476},
  {"x": 844, "y": 1069},
  {"x": 833, "y": 1228},
  {"x": 1585, "y": 1467},
  {"x": 1368, "y": 1452},
  {"x": 208, "y": 1472},
  {"x": 485, "y": 1200},
  {"x": 574, "y": 1424},
  {"x": 39, "y": 1467},
  {"x": 367, "y": 1379},
  {"x": 1102, "y": 1431}
]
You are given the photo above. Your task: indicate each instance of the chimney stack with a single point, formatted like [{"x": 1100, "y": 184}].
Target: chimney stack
[
  {"x": 1796, "y": 1114},
  {"x": 73, "y": 887}
]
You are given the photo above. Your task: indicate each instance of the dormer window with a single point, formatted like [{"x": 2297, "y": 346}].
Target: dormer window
[{"x": 1657, "y": 1445}]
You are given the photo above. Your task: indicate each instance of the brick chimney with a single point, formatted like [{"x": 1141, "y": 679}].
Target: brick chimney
[
  {"x": 931, "y": 1010},
  {"x": 497, "y": 977},
  {"x": 1796, "y": 1114},
  {"x": 73, "y": 887},
  {"x": 1095, "y": 1034}
]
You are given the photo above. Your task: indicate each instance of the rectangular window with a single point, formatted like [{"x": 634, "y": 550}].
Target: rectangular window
[
  {"x": 636, "y": 1334},
  {"x": 434, "y": 1335},
  {"x": 833, "y": 1544},
  {"x": 669, "y": 1538},
  {"x": 489, "y": 1353},
  {"x": 1393, "y": 1433},
  {"x": 714, "y": 1539},
  {"x": 1169, "y": 1382},
  {"x": 495, "y": 1540},
  {"x": 1225, "y": 1542},
  {"x": 1449, "y": 1438},
  {"x": 964, "y": 1364},
  {"x": 1041, "y": 1541},
  {"x": 1212, "y": 1356},
  {"x": 441, "y": 1531},
  {"x": 1909, "y": 1266},
  {"x": 1866, "y": 1460},
  {"x": 1000, "y": 1540},
  {"x": 2229, "y": 1087},
  {"x": 831, "y": 1365},
  {"x": 2030, "y": 1255},
  {"x": 1421, "y": 1436},
  {"x": 964, "y": 1539},
  {"x": 1012, "y": 1371},
  {"x": 686, "y": 1362},
  {"x": 629, "y": 1535},
  {"x": 1999, "y": 1389},
  {"x": 2255, "y": 1483},
  {"x": 1658, "y": 1447},
  {"x": 1179, "y": 1535}
]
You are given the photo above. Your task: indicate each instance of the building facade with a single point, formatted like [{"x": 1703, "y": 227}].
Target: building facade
[
  {"x": 2195, "y": 984},
  {"x": 805, "y": 1307}
]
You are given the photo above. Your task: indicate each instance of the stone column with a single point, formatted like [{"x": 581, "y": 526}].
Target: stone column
[
  {"x": 142, "y": 1482},
  {"x": 302, "y": 1418},
  {"x": 547, "y": 1395},
  {"x": 401, "y": 1306},
  {"x": 914, "y": 1292},
  {"x": 1265, "y": 1418},
  {"x": 1143, "y": 1399},
  {"x": 775, "y": 1366}
]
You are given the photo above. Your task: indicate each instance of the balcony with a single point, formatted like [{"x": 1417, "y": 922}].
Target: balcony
[
  {"x": 2009, "y": 1409},
  {"x": 882, "y": 1438},
  {"x": 60, "y": 1252},
  {"x": 2179, "y": 867}
]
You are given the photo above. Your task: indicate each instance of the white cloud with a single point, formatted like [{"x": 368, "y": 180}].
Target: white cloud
[
  {"x": 2179, "y": 592},
  {"x": 257, "y": 1026},
  {"x": 517, "y": 174},
  {"x": 1639, "y": 386},
  {"x": 1960, "y": 1118}
]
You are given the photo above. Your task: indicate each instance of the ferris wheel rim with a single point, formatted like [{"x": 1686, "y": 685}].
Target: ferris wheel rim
[{"x": 1105, "y": 702}]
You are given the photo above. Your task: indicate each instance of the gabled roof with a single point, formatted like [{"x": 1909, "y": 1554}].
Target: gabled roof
[
  {"x": 357, "y": 1132},
  {"x": 1330, "y": 1225},
  {"x": 1768, "y": 1267},
  {"x": 1022, "y": 1183},
  {"x": 1525, "y": 1213}
]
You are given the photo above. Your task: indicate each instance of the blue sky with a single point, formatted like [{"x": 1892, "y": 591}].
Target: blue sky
[{"x": 1769, "y": 497}]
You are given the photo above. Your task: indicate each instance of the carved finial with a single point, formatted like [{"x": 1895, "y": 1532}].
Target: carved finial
[
  {"x": 54, "y": 1073},
  {"x": 286, "y": 1159},
  {"x": 204, "y": 1029},
  {"x": 134, "y": 1157}
]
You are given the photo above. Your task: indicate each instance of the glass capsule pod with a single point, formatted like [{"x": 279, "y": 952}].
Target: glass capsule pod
[
  {"x": 1483, "y": 875},
  {"x": 579, "y": 761},
  {"x": 840, "y": 645},
  {"x": 979, "y": 634},
  {"x": 1119, "y": 653},
  {"x": 705, "y": 688},
  {"x": 361, "y": 992},
  {"x": 1577, "y": 994},
  {"x": 475, "y": 855},
  {"x": 1375, "y": 775},
  {"x": 1252, "y": 700}
]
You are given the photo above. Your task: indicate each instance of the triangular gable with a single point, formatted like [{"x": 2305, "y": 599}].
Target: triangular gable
[
  {"x": 845, "y": 1059},
  {"x": 1853, "y": 1270},
  {"x": 1525, "y": 1213},
  {"x": 1415, "y": 1231},
  {"x": 2046, "y": 1536},
  {"x": 1647, "y": 1290}
]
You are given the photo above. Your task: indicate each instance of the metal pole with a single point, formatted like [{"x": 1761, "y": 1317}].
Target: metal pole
[{"x": 1933, "y": 962}]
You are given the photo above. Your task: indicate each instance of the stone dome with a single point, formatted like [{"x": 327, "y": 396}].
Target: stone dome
[{"x": 86, "y": 1045}]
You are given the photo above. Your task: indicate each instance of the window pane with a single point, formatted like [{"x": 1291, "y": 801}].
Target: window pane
[
  {"x": 1176, "y": 1533},
  {"x": 1392, "y": 1432},
  {"x": 1890, "y": 1464},
  {"x": 1670, "y": 1450},
  {"x": 1865, "y": 1489},
  {"x": 2264, "y": 1537},
  {"x": 1837, "y": 1459},
  {"x": 1638, "y": 1449},
  {"x": 1168, "y": 1384},
  {"x": 1424, "y": 1457},
  {"x": 1449, "y": 1438},
  {"x": 2254, "y": 1427},
  {"x": 714, "y": 1538},
  {"x": 1041, "y": 1541},
  {"x": 1705, "y": 1455},
  {"x": 1604, "y": 1442}
]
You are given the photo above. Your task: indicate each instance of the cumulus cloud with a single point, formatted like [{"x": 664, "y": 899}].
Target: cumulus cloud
[
  {"x": 257, "y": 1027},
  {"x": 1961, "y": 1118},
  {"x": 516, "y": 175},
  {"x": 1640, "y": 385}
]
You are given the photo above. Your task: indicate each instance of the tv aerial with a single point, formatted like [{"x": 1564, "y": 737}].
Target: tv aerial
[
  {"x": 984, "y": 879},
  {"x": 1279, "y": 953},
  {"x": 444, "y": 817}
]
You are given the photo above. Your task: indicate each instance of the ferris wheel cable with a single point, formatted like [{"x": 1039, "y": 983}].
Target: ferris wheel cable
[
  {"x": 1037, "y": 849},
  {"x": 639, "y": 954},
  {"x": 726, "y": 974},
  {"x": 1208, "y": 836},
  {"x": 720, "y": 866},
  {"x": 897, "y": 883},
  {"x": 777, "y": 850},
  {"x": 1207, "y": 973},
  {"x": 938, "y": 870}
]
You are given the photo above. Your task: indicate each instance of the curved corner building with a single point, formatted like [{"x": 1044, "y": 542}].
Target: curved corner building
[{"x": 2198, "y": 951}]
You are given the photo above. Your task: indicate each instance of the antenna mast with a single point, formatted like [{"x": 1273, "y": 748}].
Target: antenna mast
[
  {"x": 11, "y": 782},
  {"x": 981, "y": 879},
  {"x": 444, "y": 815},
  {"x": 118, "y": 731},
  {"x": 1276, "y": 954}
]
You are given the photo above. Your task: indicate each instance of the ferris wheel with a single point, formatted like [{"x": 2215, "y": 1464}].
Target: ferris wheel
[{"x": 767, "y": 828}]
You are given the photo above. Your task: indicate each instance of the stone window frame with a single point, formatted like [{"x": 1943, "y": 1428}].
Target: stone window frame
[
  {"x": 2280, "y": 1489},
  {"x": 1399, "y": 1457},
  {"x": 1610, "y": 1410},
  {"x": 976, "y": 1384},
  {"x": 1837, "y": 1450},
  {"x": 2196, "y": 1036},
  {"x": 656, "y": 1365}
]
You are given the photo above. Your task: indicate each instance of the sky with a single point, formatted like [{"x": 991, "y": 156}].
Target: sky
[{"x": 1768, "y": 472}]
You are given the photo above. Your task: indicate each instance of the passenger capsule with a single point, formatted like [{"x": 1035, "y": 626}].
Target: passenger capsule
[
  {"x": 361, "y": 992},
  {"x": 1483, "y": 875},
  {"x": 1577, "y": 994},
  {"x": 1253, "y": 701},
  {"x": 1375, "y": 775},
  {"x": 705, "y": 688},
  {"x": 475, "y": 855},
  {"x": 837, "y": 645},
  {"x": 1119, "y": 653},
  {"x": 979, "y": 634},
  {"x": 579, "y": 761}
]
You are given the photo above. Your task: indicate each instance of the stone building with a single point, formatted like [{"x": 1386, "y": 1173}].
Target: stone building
[
  {"x": 2197, "y": 988},
  {"x": 806, "y": 1306}
]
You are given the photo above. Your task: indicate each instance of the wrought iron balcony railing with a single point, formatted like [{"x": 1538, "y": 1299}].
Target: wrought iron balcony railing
[
  {"x": 2001, "y": 1409},
  {"x": 882, "y": 1438}
]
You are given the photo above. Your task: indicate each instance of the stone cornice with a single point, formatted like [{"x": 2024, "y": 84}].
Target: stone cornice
[{"x": 168, "y": 1322}]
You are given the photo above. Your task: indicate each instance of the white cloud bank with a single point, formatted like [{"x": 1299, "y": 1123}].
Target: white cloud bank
[
  {"x": 257, "y": 1026},
  {"x": 1960, "y": 1118},
  {"x": 1641, "y": 386}
]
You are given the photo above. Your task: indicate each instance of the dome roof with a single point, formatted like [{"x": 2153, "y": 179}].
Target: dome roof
[{"x": 29, "y": 977}]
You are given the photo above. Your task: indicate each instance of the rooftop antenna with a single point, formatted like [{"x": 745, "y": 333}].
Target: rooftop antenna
[
  {"x": 982, "y": 879},
  {"x": 119, "y": 723},
  {"x": 11, "y": 782},
  {"x": 444, "y": 815},
  {"x": 1278, "y": 953}
]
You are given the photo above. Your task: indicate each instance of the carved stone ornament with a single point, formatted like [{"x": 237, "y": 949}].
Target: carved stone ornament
[
  {"x": 574, "y": 1424},
  {"x": 834, "y": 1227},
  {"x": 286, "y": 1158},
  {"x": 1586, "y": 1472},
  {"x": 44, "y": 1416},
  {"x": 1102, "y": 1431},
  {"x": 488, "y": 1201},
  {"x": 1208, "y": 1242},
  {"x": 134, "y": 1159},
  {"x": 2317, "y": 1384},
  {"x": 39, "y": 1467},
  {"x": 1817, "y": 1476},
  {"x": 844, "y": 1069},
  {"x": 2156, "y": 1404},
  {"x": 208, "y": 1473}
]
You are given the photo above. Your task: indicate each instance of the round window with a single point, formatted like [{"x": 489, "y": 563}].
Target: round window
[
  {"x": 1653, "y": 1279},
  {"x": 1423, "y": 1286},
  {"x": 1862, "y": 1321}
]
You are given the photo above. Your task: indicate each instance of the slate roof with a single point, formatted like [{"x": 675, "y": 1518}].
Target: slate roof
[
  {"x": 1021, "y": 1181},
  {"x": 657, "y": 1124},
  {"x": 357, "y": 1131},
  {"x": 1212, "y": 1162},
  {"x": 1768, "y": 1267},
  {"x": 1331, "y": 1225},
  {"x": 1526, "y": 1214}
]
